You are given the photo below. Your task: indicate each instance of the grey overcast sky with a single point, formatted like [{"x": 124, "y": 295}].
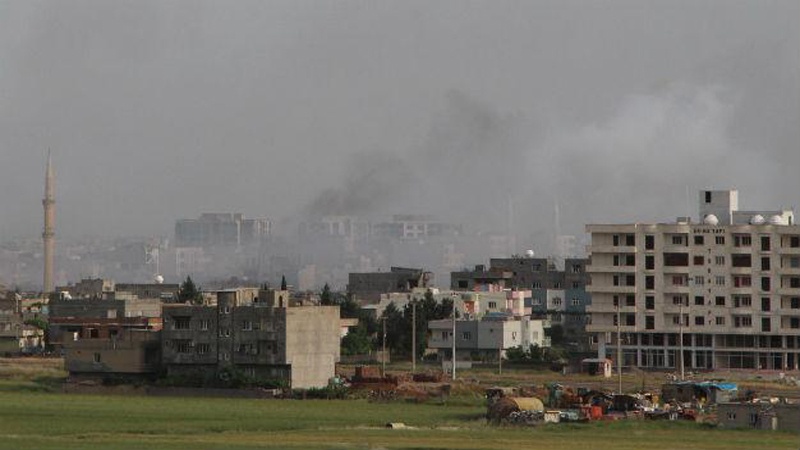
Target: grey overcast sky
[{"x": 157, "y": 110}]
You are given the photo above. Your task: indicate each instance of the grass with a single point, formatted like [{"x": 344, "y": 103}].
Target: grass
[
  {"x": 34, "y": 416},
  {"x": 33, "y": 420}
]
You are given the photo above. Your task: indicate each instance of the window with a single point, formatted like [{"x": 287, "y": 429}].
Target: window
[
  {"x": 719, "y": 240},
  {"x": 226, "y": 310},
  {"x": 765, "y": 284},
  {"x": 698, "y": 300},
  {"x": 794, "y": 322},
  {"x": 649, "y": 242},
  {"x": 224, "y": 332},
  {"x": 699, "y": 280},
  {"x": 794, "y": 262},
  {"x": 445, "y": 335},
  {"x": 708, "y": 196},
  {"x": 615, "y": 240},
  {"x": 719, "y": 260},
  {"x": 742, "y": 321},
  {"x": 649, "y": 282},
  {"x": 537, "y": 302},
  {"x": 576, "y": 301},
  {"x": 556, "y": 301},
  {"x": 676, "y": 259},
  {"x": 742, "y": 281},
  {"x": 765, "y": 263},
  {"x": 765, "y": 243},
  {"x": 576, "y": 285},
  {"x": 741, "y": 260},
  {"x": 463, "y": 284},
  {"x": 630, "y": 300},
  {"x": 719, "y": 300},
  {"x": 630, "y": 320},
  {"x": 630, "y": 240},
  {"x": 765, "y": 304},
  {"x": 794, "y": 282},
  {"x": 679, "y": 280},
  {"x": 766, "y": 324},
  {"x": 649, "y": 302},
  {"x": 492, "y": 305},
  {"x": 794, "y": 241},
  {"x": 699, "y": 320},
  {"x": 698, "y": 240},
  {"x": 742, "y": 240},
  {"x": 678, "y": 239},
  {"x": 720, "y": 320},
  {"x": 649, "y": 322},
  {"x": 742, "y": 301},
  {"x": 699, "y": 260},
  {"x": 649, "y": 262},
  {"x": 247, "y": 325},
  {"x": 97, "y": 357},
  {"x": 181, "y": 323},
  {"x": 466, "y": 336},
  {"x": 203, "y": 348},
  {"x": 678, "y": 300},
  {"x": 183, "y": 345},
  {"x": 204, "y": 324},
  {"x": 794, "y": 303}
]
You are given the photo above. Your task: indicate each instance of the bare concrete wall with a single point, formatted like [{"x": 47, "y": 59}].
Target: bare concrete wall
[{"x": 312, "y": 344}]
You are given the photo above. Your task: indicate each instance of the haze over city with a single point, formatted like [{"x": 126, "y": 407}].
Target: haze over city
[{"x": 614, "y": 110}]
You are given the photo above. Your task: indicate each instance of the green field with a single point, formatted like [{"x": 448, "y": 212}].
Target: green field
[
  {"x": 36, "y": 420},
  {"x": 34, "y": 415}
]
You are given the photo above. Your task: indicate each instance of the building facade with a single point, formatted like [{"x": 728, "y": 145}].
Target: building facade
[
  {"x": 263, "y": 337},
  {"x": 721, "y": 293},
  {"x": 485, "y": 339}
]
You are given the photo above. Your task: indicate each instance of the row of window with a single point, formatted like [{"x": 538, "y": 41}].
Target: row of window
[
  {"x": 739, "y": 240},
  {"x": 738, "y": 301},
  {"x": 201, "y": 348},
  {"x": 185, "y": 323}
]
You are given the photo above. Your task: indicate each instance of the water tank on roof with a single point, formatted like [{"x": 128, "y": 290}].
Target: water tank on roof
[
  {"x": 529, "y": 253},
  {"x": 710, "y": 219},
  {"x": 776, "y": 220},
  {"x": 758, "y": 219}
]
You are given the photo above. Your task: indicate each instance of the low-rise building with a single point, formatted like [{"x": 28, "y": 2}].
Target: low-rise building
[
  {"x": 368, "y": 287},
  {"x": 485, "y": 339}
]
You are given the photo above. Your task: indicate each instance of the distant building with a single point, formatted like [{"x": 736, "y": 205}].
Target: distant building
[
  {"x": 368, "y": 287},
  {"x": 759, "y": 415},
  {"x": 221, "y": 230},
  {"x": 414, "y": 226},
  {"x": 485, "y": 339},
  {"x": 262, "y": 336},
  {"x": 131, "y": 352}
]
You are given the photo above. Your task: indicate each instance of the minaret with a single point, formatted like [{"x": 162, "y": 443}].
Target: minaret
[{"x": 48, "y": 235}]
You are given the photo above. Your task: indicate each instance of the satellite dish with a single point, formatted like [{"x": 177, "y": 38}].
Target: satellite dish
[
  {"x": 758, "y": 219},
  {"x": 776, "y": 220},
  {"x": 529, "y": 253},
  {"x": 158, "y": 279}
]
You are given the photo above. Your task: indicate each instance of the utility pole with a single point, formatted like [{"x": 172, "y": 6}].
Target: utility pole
[
  {"x": 500, "y": 357},
  {"x": 619, "y": 348},
  {"x": 454, "y": 340},
  {"x": 383, "y": 352},
  {"x": 680, "y": 338},
  {"x": 413, "y": 337}
]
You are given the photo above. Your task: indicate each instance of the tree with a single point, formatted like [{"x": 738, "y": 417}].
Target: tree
[
  {"x": 188, "y": 292},
  {"x": 326, "y": 297}
]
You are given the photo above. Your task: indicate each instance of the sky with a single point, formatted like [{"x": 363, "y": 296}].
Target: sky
[{"x": 614, "y": 110}]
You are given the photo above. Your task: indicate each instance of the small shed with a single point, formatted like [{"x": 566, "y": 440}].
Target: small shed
[{"x": 596, "y": 366}]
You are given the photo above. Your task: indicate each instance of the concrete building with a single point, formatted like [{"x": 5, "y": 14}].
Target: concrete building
[
  {"x": 556, "y": 295},
  {"x": 472, "y": 305},
  {"x": 487, "y": 338},
  {"x": 760, "y": 415},
  {"x": 132, "y": 352},
  {"x": 72, "y": 320},
  {"x": 368, "y": 287},
  {"x": 221, "y": 230},
  {"x": 725, "y": 290},
  {"x": 263, "y": 336}
]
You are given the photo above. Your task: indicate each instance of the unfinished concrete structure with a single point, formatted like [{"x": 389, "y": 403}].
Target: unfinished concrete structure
[
  {"x": 368, "y": 287},
  {"x": 726, "y": 290},
  {"x": 262, "y": 336}
]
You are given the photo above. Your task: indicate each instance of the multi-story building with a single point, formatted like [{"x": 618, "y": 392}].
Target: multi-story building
[
  {"x": 558, "y": 295},
  {"x": 223, "y": 230},
  {"x": 262, "y": 336},
  {"x": 721, "y": 293}
]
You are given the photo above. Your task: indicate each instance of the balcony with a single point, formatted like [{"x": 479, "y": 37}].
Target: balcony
[
  {"x": 795, "y": 292},
  {"x": 607, "y": 268},
  {"x": 789, "y": 250},
  {"x": 608, "y": 248},
  {"x": 607, "y": 289}
]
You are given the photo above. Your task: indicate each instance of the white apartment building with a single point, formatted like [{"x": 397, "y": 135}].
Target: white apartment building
[
  {"x": 729, "y": 286},
  {"x": 487, "y": 338}
]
